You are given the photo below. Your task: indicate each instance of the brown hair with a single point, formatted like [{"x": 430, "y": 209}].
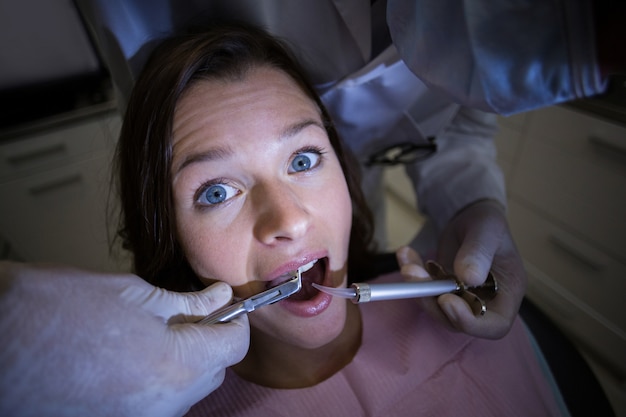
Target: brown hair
[{"x": 144, "y": 151}]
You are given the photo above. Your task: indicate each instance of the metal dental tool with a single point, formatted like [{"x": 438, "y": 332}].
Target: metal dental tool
[
  {"x": 271, "y": 296},
  {"x": 441, "y": 284}
]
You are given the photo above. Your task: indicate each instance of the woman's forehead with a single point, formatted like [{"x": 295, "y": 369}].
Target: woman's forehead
[
  {"x": 262, "y": 91},
  {"x": 265, "y": 100}
]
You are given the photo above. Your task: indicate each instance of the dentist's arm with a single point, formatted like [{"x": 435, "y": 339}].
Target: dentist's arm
[
  {"x": 82, "y": 343},
  {"x": 461, "y": 188}
]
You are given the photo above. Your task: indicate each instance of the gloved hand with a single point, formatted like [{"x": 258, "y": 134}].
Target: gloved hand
[
  {"x": 82, "y": 343},
  {"x": 475, "y": 241}
]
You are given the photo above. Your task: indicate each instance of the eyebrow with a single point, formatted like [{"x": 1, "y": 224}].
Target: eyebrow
[
  {"x": 205, "y": 156},
  {"x": 296, "y": 128},
  {"x": 224, "y": 152}
]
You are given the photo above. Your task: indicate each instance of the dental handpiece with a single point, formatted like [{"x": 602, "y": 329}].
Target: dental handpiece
[
  {"x": 363, "y": 292},
  {"x": 442, "y": 283}
]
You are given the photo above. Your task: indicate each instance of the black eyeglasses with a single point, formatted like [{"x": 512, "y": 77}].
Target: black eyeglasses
[{"x": 403, "y": 153}]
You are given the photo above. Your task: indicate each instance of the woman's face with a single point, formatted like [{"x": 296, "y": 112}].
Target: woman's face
[{"x": 259, "y": 191}]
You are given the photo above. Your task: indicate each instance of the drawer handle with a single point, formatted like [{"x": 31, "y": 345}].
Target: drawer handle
[
  {"x": 43, "y": 152},
  {"x": 593, "y": 261},
  {"x": 52, "y": 185},
  {"x": 610, "y": 144}
]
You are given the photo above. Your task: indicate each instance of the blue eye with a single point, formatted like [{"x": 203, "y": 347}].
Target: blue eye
[
  {"x": 216, "y": 194},
  {"x": 304, "y": 161}
]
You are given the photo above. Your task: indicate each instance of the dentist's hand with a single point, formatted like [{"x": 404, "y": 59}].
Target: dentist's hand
[
  {"x": 83, "y": 343},
  {"x": 475, "y": 241}
]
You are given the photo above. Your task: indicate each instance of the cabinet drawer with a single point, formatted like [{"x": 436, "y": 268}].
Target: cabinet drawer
[
  {"x": 580, "y": 134},
  {"x": 575, "y": 192},
  {"x": 59, "y": 215},
  {"x": 579, "y": 320},
  {"x": 589, "y": 274},
  {"x": 43, "y": 150}
]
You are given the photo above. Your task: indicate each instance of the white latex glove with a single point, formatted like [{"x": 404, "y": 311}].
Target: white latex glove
[
  {"x": 77, "y": 343},
  {"x": 475, "y": 241}
]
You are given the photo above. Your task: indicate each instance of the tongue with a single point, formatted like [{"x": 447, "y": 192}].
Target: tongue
[{"x": 313, "y": 275}]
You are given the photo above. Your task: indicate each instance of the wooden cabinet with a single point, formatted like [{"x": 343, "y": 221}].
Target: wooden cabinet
[
  {"x": 54, "y": 192},
  {"x": 566, "y": 176}
]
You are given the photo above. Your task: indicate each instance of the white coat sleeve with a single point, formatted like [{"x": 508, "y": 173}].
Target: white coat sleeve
[
  {"x": 504, "y": 57},
  {"x": 462, "y": 171}
]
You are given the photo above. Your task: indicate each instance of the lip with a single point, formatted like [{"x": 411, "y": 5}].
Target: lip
[
  {"x": 278, "y": 275},
  {"x": 313, "y": 307}
]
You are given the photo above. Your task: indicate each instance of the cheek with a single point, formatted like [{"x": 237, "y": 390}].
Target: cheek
[
  {"x": 211, "y": 254},
  {"x": 341, "y": 217},
  {"x": 208, "y": 242},
  {"x": 334, "y": 218}
]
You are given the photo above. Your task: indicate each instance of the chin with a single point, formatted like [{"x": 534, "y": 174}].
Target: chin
[{"x": 308, "y": 332}]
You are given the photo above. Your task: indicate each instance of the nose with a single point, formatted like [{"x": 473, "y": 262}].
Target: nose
[{"x": 281, "y": 215}]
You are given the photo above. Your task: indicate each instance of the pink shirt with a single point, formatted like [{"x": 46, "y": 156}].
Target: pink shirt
[{"x": 407, "y": 365}]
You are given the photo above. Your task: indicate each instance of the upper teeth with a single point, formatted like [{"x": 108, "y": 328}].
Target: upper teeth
[{"x": 306, "y": 267}]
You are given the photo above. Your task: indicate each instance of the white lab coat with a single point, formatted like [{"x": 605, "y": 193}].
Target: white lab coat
[
  {"x": 385, "y": 104},
  {"x": 500, "y": 56},
  {"x": 504, "y": 57},
  {"x": 374, "y": 101}
]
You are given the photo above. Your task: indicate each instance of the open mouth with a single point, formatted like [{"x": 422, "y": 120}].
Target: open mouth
[
  {"x": 312, "y": 273},
  {"x": 315, "y": 274}
]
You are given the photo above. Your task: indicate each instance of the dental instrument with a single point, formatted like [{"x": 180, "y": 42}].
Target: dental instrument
[
  {"x": 442, "y": 283},
  {"x": 267, "y": 297}
]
